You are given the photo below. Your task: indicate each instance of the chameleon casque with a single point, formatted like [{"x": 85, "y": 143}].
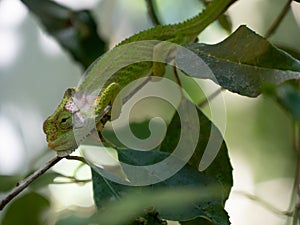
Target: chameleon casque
[{"x": 59, "y": 126}]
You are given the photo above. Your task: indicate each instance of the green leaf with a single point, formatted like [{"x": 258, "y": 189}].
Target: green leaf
[
  {"x": 76, "y": 31},
  {"x": 8, "y": 182},
  {"x": 188, "y": 177},
  {"x": 30, "y": 209},
  {"x": 243, "y": 63},
  {"x": 220, "y": 168}
]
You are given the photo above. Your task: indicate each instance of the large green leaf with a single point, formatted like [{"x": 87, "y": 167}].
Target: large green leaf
[
  {"x": 30, "y": 209},
  {"x": 242, "y": 63},
  {"x": 76, "y": 31},
  {"x": 188, "y": 177},
  {"x": 220, "y": 167}
]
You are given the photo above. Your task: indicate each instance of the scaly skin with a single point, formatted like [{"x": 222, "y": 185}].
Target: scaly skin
[{"x": 59, "y": 126}]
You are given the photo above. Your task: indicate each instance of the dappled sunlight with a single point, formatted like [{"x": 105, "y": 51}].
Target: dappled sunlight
[
  {"x": 11, "y": 148},
  {"x": 265, "y": 204},
  {"x": 20, "y": 138},
  {"x": 10, "y": 50},
  {"x": 72, "y": 195},
  {"x": 296, "y": 11},
  {"x": 48, "y": 44},
  {"x": 12, "y": 14}
]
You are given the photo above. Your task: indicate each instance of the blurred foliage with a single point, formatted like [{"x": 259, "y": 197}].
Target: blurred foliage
[
  {"x": 288, "y": 96},
  {"x": 8, "y": 182},
  {"x": 29, "y": 209},
  {"x": 75, "y": 31},
  {"x": 133, "y": 204}
]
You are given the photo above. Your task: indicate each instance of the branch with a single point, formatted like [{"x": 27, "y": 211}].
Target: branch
[
  {"x": 279, "y": 19},
  {"x": 210, "y": 97},
  {"x": 135, "y": 90},
  {"x": 27, "y": 181}
]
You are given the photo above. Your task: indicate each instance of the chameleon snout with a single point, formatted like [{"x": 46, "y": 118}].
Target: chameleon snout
[{"x": 49, "y": 130}]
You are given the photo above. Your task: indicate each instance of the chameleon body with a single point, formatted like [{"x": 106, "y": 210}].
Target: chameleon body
[{"x": 59, "y": 126}]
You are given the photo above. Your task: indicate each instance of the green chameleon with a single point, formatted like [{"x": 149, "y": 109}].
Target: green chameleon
[{"x": 59, "y": 126}]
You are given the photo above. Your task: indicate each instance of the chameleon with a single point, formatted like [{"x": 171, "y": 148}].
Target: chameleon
[{"x": 58, "y": 127}]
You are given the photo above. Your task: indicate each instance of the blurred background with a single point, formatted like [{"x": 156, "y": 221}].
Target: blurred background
[{"x": 35, "y": 71}]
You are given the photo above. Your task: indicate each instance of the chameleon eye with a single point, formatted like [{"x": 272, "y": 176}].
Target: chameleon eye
[{"x": 65, "y": 121}]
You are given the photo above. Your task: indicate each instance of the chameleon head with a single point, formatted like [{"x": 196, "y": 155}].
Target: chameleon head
[{"x": 59, "y": 126}]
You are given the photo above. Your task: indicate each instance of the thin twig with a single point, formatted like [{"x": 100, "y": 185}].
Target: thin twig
[
  {"x": 135, "y": 90},
  {"x": 78, "y": 168},
  {"x": 73, "y": 180},
  {"x": 297, "y": 175},
  {"x": 151, "y": 8},
  {"x": 211, "y": 97},
  {"x": 27, "y": 181},
  {"x": 295, "y": 196},
  {"x": 292, "y": 204},
  {"x": 78, "y": 158},
  {"x": 178, "y": 81},
  {"x": 296, "y": 145},
  {"x": 265, "y": 204},
  {"x": 279, "y": 19},
  {"x": 296, "y": 216}
]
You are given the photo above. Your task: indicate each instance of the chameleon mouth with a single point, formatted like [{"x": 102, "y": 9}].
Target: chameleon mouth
[
  {"x": 53, "y": 145},
  {"x": 60, "y": 150},
  {"x": 62, "y": 145}
]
